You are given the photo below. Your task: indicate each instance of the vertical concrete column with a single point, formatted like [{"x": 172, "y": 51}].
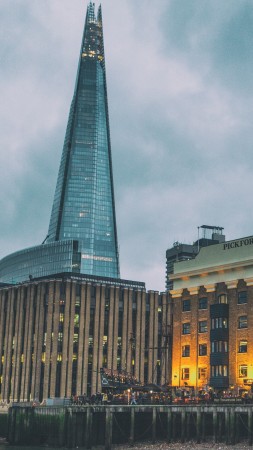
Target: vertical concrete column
[
  {"x": 2, "y": 322},
  {"x": 96, "y": 337},
  {"x": 71, "y": 338},
  {"x": 131, "y": 439},
  {"x": 88, "y": 428},
  {"x": 18, "y": 342},
  {"x": 130, "y": 331},
  {"x": 215, "y": 423},
  {"x": 86, "y": 292},
  {"x": 142, "y": 337},
  {"x": 116, "y": 327},
  {"x": 25, "y": 337},
  {"x": 250, "y": 427},
  {"x": 169, "y": 425},
  {"x": 55, "y": 320},
  {"x": 138, "y": 335},
  {"x": 198, "y": 425},
  {"x": 108, "y": 429},
  {"x": 183, "y": 424},
  {"x": 40, "y": 333},
  {"x": 101, "y": 336},
  {"x": 49, "y": 320},
  {"x": 65, "y": 342},
  {"x": 154, "y": 414},
  {"x": 124, "y": 331},
  {"x": 110, "y": 336},
  {"x": 8, "y": 347},
  {"x": 151, "y": 350}
]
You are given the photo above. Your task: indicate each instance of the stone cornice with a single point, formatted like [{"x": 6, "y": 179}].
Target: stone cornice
[{"x": 212, "y": 269}]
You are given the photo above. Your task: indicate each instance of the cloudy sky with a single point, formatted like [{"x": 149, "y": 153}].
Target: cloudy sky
[{"x": 180, "y": 89}]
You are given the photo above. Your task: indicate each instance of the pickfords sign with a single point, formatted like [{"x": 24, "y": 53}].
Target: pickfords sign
[{"x": 237, "y": 244}]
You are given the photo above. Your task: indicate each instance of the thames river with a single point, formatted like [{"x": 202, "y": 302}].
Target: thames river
[{"x": 147, "y": 446}]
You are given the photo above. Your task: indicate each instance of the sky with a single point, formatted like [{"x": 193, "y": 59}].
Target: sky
[{"x": 180, "y": 91}]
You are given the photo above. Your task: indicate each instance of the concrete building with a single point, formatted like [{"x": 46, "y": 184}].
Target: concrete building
[
  {"x": 213, "y": 317},
  {"x": 57, "y": 333}
]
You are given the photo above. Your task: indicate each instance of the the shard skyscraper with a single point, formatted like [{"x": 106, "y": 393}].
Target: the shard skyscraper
[
  {"x": 82, "y": 235},
  {"x": 83, "y": 207}
]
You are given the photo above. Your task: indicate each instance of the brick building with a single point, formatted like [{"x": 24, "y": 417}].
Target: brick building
[
  {"x": 213, "y": 317},
  {"x": 57, "y": 333}
]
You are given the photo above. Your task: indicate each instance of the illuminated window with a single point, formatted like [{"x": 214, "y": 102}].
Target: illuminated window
[
  {"x": 242, "y": 322},
  {"x": 242, "y": 297},
  {"x": 202, "y": 371},
  {"x": 186, "y": 305},
  {"x": 185, "y": 373},
  {"x": 60, "y": 337},
  {"x": 202, "y": 349},
  {"x": 203, "y": 326},
  {"x": 243, "y": 347},
  {"x": 219, "y": 347},
  {"x": 61, "y": 317},
  {"x": 203, "y": 303},
  {"x": 243, "y": 371},
  {"x": 59, "y": 357},
  {"x": 186, "y": 328},
  {"x": 185, "y": 350},
  {"x": 219, "y": 322},
  {"x": 222, "y": 298},
  {"x": 219, "y": 371},
  {"x": 76, "y": 320}
]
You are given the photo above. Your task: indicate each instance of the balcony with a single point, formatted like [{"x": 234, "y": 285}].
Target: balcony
[{"x": 219, "y": 382}]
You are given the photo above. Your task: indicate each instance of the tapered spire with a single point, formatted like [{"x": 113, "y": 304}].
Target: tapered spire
[{"x": 84, "y": 207}]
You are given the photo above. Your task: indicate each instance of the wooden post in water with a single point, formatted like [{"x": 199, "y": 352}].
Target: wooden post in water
[
  {"x": 131, "y": 439},
  {"x": 215, "y": 425},
  {"x": 203, "y": 423},
  {"x": 88, "y": 429},
  {"x": 237, "y": 427},
  {"x": 153, "y": 425},
  {"x": 232, "y": 426},
  {"x": 227, "y": 425},
  {"x": 198, "y": 425},
  {"x": 250, "y": 424},
  {"x": 169, "y": 425},
  {"x": 108, "y": 429},
  {"x": 220, "y": 420},
  {"x": 183, "y": 417}
]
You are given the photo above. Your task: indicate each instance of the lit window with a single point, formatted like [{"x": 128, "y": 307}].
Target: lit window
[
  {"x": 203, "y": 303},
  {"x": 61, "y": 317},
  {"x": 202, "y": 371},
  {"x": 185, "y": 373},
  {"x": 243, "y": 347},
  {"x": 242, "y": 322},
  {"x": 219, "y": 347},
  {"x": 219, "y": 322},
  {"x": 203, "y": 326},
  {"x": 186, "y": 328},
  {"x": 222, "y": 298},
  {"x": 202, "y": 349},
  {"x": 185, "y": 350},
  {"x": 219, "y": 371},
  {"x": 242, "y": 297},
  {"x": 243, "y": 371}
]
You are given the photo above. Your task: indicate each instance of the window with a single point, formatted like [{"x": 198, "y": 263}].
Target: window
[
  {"x": 243, "y": 371},
  {"x": 222, "y": 298},
  {"x": 242, "y": 322},
  {"x": 202, "y": 372},
  {"x": 203, "y": 303},
  {"x": 203, "y": 326},
  {"x": 185, "y": 350},
  {"x": 242, "y": 297},
  {"x": 186, "y": 305},
  {"x": 219, "y": 371},
  {"x": 185, "y": 373},
  {"x": 202, "y": 349},
  {"x": 219, "y": 322},
  {"x": 243, "y": 347},
  {"x": 219, "y": 347},
  {"x": 186, "y": 328}
]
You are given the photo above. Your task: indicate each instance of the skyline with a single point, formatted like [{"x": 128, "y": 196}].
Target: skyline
[{"x": 180, "y": 103}]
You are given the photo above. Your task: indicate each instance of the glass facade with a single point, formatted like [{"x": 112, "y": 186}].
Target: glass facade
[
  {"x": 83, "y": 207},
  {"x": 40, "y": 261}
]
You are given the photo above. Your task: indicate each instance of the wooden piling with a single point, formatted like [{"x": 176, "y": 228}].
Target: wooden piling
[
  {"x": 131, "y": 439},
  {"x": 198, "y": 427},
  {"x": 215, "y": 423},
  {"x": 169, "y": 425},
  {"x": 153, "y": 425},
  {"x": 108, "y": 429},
  {"x": 250, "y": 424},
  {"x": 88, "y": 429}
]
